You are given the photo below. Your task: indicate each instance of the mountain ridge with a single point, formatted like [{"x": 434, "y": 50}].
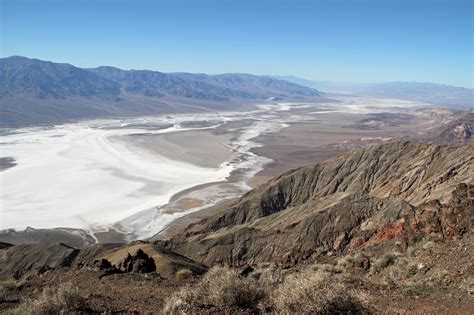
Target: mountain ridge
[
  {"x": 339, "y": 204},
  {"x": 112, "y": 77},
  {"x": 34, "y": 91}
]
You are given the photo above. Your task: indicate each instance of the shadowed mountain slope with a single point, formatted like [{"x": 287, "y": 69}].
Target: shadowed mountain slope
[
  {"x": 35, "y": 78},
  {"x": 402, "y": 189}
]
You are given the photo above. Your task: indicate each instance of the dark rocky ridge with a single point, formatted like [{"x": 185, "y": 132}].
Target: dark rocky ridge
[{"x": 403, "y": 190}]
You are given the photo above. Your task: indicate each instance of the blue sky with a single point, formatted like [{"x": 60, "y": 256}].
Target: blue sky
[{"x": 357, "y": 41}]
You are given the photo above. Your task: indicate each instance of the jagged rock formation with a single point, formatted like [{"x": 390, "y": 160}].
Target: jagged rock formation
[
  {"x": 401, "y": 190},
  {"x": 140, "y": 262}
]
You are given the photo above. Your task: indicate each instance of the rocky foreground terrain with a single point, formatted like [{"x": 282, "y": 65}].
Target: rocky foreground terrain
[{"x": 383, "y": 228}]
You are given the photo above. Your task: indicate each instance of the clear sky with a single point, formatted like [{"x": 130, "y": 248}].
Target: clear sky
[{"x": 358, "y": 41}]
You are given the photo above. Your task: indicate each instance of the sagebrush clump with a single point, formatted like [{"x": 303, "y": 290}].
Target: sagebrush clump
[
  {"x": 63, "y": 299},
  {"x": 317, "y": 293},
  {"x": 220, "y": 287},
  {"x": 383, "y": 262},
  {"x": 183, "y": 274},
  {"x": 307, "y": 291}
]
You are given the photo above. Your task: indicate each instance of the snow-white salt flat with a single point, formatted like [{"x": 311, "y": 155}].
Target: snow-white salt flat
[{"x": 76, "y": 175}]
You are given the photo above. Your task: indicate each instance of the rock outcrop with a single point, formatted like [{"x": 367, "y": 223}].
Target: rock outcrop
[
  {"x": 139, "y": 263},
  {"x": 141, "y": 257},
  {"x": 400, "y": 190}
]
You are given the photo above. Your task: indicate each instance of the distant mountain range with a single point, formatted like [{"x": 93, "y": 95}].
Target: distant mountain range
[
  {"x": 433, "y": 93},
  {"x": 36, "y": 91},
  {"x": 439, "y": 94}
]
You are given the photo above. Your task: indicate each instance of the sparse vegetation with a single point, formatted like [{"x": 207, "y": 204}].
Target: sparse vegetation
[
  {"x": 328, "y": 268},
  {"x": 388, "y": 281},
  {"x": 5, "y": 287},
  {"x": 306, "y": 291},
  {"x": 427, "y": 245},
  {"x": 383, "y": 262},
  {"x": 268, "y": 274},
  {"x": 316, "y": 293},
  {"x": 220, "y": 287},
  {"x": 63, "y": 299},
  {"x": 418, "y": 290},
  {"x": 357, "y": 261},
  {"x": 183, "y": 274}
]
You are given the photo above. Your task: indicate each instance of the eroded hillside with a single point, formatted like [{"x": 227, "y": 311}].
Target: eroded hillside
[{"x": 398, "y": 189}]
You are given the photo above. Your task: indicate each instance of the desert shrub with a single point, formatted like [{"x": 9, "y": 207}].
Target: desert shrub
[
  {"x": 418, "y": 290},
  {"x": 412, "y": 252},
  {"x": 183, "y": 274},
  {"x": 358, "y": 260},
  {"x": 326, "y": 268},
  {"x": 220, "y": 287},
  {"x": 440, "y": 274},
  {"x": 311, "y": 292},
  {"x": 383, "y": 262},
  {"x": 428, "y": 245},
  {"x": 388, "y": 281},
  {"x": 268, "y": 275},
  {"x": 6, "y": 286},
  {"x": 64, "y": 298}
]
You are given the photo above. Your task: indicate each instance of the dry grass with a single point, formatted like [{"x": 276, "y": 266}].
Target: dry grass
[
  {"x": 267, "y": 289},
  {"x": 360, "y": 261},
  {"x": 220, "y": 287},
  {"x": 183, "y": 274},
  {"x": 383, "y": 262},
  {"x": 326, "y": 268},
  {"x": 5, "y": 287},
  {"x": 268, "y": 275},
  {"x": 317, "y": 293},
  {"x": 62, "y": 299}
]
